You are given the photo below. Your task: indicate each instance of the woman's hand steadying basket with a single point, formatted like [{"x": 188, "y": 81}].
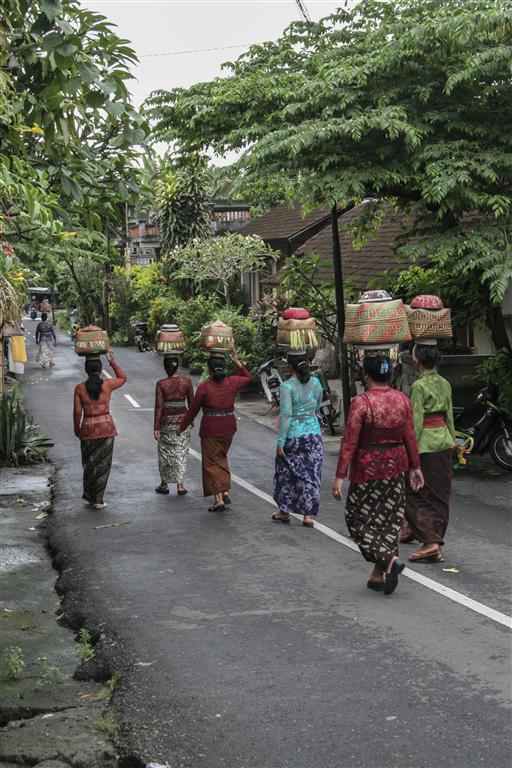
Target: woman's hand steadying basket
[{"x": 110, "y": 356}]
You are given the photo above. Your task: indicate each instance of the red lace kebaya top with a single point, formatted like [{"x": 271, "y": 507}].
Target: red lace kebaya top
[
  {"x": 217, "y": 399},
  {"x": 97, "y": 422},
  {"x": 172, "y": 397},
  {"x": 379, "y": 440}
]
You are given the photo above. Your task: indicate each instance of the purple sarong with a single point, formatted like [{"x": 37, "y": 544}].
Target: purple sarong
[{"x": 297, "y": 478}]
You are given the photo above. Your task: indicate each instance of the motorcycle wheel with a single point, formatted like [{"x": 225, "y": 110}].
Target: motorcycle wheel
[
  {"x": 140, "y": 346},
  {"x": 330, "y": 423},
  {"x": 501, "y": 450}
]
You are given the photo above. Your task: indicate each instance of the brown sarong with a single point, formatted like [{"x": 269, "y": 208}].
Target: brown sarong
[
  {"x": 214, "y": 455},
  {"x": 374, "y": 515},
  {"x": 96, "y": 462},
  {"x": 427, "y": 510}
]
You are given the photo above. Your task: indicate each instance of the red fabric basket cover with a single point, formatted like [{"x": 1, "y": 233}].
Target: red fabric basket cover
[
  {"x": 296, "y": 313},
  {"x": 427, "y": 301}
]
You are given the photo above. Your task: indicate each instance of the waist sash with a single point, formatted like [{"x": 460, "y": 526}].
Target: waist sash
[
  {"x": 379, "y": 446},
  {"x": 102, "y": 418},
  {"x": 208, "y": 412},
  {"x": 434, "y": 420},
  {"x": 304, "y": 415},
  {"x": 175, "y": 404}
]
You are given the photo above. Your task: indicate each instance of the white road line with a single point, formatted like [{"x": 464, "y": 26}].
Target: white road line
[
  {"x": 424, "y": 581},
  {"x": 132, "y": 401},
  {"x": 107, "y": 374}
]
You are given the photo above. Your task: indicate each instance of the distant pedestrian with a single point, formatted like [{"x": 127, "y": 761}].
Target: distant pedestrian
[
  {"x": 46, "y": 340},
  {"x": 299, "y": 455},
  {"x": 427, "y": 512},
  {"x": 216, "y": 397},
  {"x": 172, "y": 397},
  {"x": 95, "y": 427},
  {"x": 379, "y": 447}
]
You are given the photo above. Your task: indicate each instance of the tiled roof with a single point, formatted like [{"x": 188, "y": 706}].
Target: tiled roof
[
  {"x": 361, "y": 265},
  {"x": 282, "y": 223}
]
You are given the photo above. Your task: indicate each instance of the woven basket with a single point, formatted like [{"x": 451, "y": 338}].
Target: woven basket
[
  {"x": 91, "y": 340},
  {"x": 45, "y": 307},
  {"x": 429, "y": 323},
  {"x": 297, "y": 334},
  {"x": 169, "y": 340},
  {"x": 217, "y": 336},
  {"x": 379, "y": 322}
]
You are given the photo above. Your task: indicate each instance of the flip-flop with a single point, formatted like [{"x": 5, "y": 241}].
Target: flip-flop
[
  {"x": 159, "y": 489},
  {"x": 227, "y": 499},
  {"x": 378, "y": 586},
  {"x": 182, "y": 493},
  {"x": 278, "y": 519},
  {"x": 407, "y": 539},
  {"x": 435, "y": 557},
  {"x": 308, "y": 525},
  {"x": 391, "y": 582},
  {"x": 220, "y": 508}
]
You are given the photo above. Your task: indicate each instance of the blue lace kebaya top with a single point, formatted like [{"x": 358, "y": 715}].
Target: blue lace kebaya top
[{"x": 298, "y": 406}]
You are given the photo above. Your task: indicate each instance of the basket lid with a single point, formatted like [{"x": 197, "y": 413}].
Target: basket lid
[
  {"x": 427, "y": 301},
  {"x": 368, "y": 297}
]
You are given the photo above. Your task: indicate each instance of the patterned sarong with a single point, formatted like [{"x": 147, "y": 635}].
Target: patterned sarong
[
  {"x": 96, "y": 461},
  {"x": 215, "y": 466},
  {"x": 297, "y": 478},
  {"x": 427, "y": 510},
  {"x": 374, "y": 515},
  {"x": 173, "y": 453},
  {"x": 45, "y": 354}
]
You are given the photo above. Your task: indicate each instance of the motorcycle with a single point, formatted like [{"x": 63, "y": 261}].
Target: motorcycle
[
  {"x": 328, "y": 413},
  {"x": 271, "y": 380},
  {"x": 33, "y": 314},
  {"x": 484, "y": 426},
  {"x": 142, "y": 337}
]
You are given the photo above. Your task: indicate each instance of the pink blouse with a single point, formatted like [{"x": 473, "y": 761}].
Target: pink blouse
[{"x": 379, "y": 440}]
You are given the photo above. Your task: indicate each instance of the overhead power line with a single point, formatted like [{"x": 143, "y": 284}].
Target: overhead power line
[
  {"x": 302, "y": 8},
  {"x": 194, "y": 50}
]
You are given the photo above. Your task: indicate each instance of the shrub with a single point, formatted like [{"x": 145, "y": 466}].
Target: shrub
[{"x": 498, "y": 370}]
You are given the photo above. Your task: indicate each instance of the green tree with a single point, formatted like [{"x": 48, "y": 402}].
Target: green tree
[
  {"x": 219, "y": 261},
  {"x": 182, "y": 202},
  {"x": 68, "y": 132},
  {"x": 395, "y": 101}
]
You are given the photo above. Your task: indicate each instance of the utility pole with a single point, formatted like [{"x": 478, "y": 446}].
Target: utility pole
[
  {"x": 303, "y": 10},
  {"x": 340, "y": 308}
]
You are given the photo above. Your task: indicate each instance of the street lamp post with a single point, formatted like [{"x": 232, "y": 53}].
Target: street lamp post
[{"x": 340, "y": 309}]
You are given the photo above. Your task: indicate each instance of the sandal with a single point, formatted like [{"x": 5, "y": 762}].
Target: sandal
[
  {"x": 378, "y": 586},
  {"x": 219, "y": 508},
  {"x": 430, "y": 557},
  {"x": 277, "y": 518},
  {"x": 391, "y": 582},
  {"x": 161, "y": 489},
  {"x": 407, "y": 539},
  {"x": 227, "y": 498},
  {"x": 308, "y": 525},
  {"x": 183, "y": 492}
]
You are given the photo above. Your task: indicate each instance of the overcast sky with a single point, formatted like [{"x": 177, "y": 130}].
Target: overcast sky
[{"x": 162, "y": 26}]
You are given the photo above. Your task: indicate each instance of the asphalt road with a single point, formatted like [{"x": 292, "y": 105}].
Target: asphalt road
[{"x": 263, "y": 646}]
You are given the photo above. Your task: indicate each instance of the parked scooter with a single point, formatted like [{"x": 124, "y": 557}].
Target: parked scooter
[
  {"x": 33, "y": 314},
  {"x": 142, "y": 337},
  {"x": 484, "y": 426},
  {"x": 271, "y": 380},
  {"x": 328, "y": 414}
]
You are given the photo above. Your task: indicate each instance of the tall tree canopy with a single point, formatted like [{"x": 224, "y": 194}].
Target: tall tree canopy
[
  {"x": 67, "y": 127},
  {"x": 390, "y": 100}
]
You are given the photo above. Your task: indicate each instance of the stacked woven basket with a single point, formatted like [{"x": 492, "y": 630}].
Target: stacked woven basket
[
  {"x": 91, "y": 341},
  {"x": 170, "y": 341},
  {"x": 296, "y": 330}
]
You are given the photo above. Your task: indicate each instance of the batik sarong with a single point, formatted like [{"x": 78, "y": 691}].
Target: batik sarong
[
  {"x": 96, "y": 462},
  {"x": 427, "y": 510},
  {"x": 374, "y": 515},
  {"x": 298, "y": 476},
  {"x": 215, "y": 466},
  {"x": 173, "y": 453},
  {"x": 44, "y": 356}
]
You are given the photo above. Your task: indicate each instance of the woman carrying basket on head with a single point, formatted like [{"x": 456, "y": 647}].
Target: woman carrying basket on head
[
  {"x": 216, "y": 397},
  {"x": 95, "y": 427}
]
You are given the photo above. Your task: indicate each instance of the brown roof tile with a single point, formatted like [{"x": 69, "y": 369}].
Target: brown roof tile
[
  {"x": 361, "y": 265},
  {"x": 283, "y": 222}
]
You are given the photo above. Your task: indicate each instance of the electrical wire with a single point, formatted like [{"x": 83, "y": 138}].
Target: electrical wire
[{"x": 194, "y": 50}]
